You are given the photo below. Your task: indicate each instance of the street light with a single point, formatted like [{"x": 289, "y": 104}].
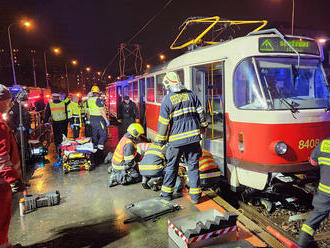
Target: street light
[
  {"x": 56, "y": 51},
  {"x": 74, "y": 62},
  {"x": 27, "y": 24},
  {"x": 148, "y": 66},
  {"x": 88, "y": 69}
]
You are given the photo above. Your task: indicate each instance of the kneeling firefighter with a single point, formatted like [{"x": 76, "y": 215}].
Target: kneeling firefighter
[
  {"x": 126, "y": 157},
  {"x": 209, "y": 172},
  {"x": 152, "y": 166}
]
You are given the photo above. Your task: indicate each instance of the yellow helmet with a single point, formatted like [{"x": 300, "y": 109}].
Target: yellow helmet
[
  {"x": 135, "y": 129},
  {"x": 171, "y": 79},
  {"x": 95, "y": 89}
]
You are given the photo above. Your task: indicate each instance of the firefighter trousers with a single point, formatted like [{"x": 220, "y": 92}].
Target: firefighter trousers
[
  {"x": 321, "y": 211},
  {"x": 5, "y": 212},
  {"x": 192, "y": 153}
]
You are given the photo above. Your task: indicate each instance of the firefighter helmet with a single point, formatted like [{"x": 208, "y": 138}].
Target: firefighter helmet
[
  {"x": 135, "y": 129},
  {"x": 95, "y": 89},
  {"x": 171, "y": 79}
]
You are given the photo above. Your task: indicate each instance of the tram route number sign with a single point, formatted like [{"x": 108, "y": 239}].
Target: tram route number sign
[{"x": 277, "y": 45}]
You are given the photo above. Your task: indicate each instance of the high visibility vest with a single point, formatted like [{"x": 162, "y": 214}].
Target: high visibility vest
[
  {"x": 142, "y": 148},
  {"x": 207, "y": 167},
  {"x": 74, "y": 111},
  {"x": 118, "y": 156},
  {"x": 94, "y": 110},
  {"x": 57, "y": 111}
]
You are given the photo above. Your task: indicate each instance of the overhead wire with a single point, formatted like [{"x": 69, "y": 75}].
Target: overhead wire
[{"x": 137, "y": 33}]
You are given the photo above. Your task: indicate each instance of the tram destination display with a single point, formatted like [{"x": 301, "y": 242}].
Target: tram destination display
[{"x": 277, "y": 45}]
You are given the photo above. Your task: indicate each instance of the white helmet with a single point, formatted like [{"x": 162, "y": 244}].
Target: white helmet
[{"x": 172, "y": 82}]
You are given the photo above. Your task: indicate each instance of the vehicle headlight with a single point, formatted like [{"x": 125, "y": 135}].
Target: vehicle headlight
[{"x": 281, "y": 148}]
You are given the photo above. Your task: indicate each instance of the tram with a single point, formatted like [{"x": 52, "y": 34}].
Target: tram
[{"x": 266, "y": 97}]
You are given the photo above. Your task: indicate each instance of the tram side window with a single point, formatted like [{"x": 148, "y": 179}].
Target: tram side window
[
  {"x": 181, "y": 76},
  {"x": 135, "y": 91},
  {"x": 247, "y": 93},
  {"x": 130, "y": 90},
  {"x": 150, "y": 89},
  {"x": 160, "y": 89}
]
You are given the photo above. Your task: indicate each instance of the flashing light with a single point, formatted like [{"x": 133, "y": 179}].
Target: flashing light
[{"x": 322, "y": 40}]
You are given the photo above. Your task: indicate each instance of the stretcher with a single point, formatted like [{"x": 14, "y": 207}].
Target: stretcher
[{"x": 76, "y": 154}]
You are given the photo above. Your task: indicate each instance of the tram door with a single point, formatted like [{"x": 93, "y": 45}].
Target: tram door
[
  {"x": 142, "y": 102},
  {"x": 119, "y": 98},
  {"x": 208, "y": 85}
]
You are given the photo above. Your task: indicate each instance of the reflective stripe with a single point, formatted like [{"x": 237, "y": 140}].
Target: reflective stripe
[
  {"x": 167, "y": 189},
  {"x": 163, "y": 120},
  {"x": 324, "y": 188},
  {"x": 118, "y": 167},
  {"x": 324, "y": 160},
  {"x": 130, "y": 157},
  {"x": 160, "y": 137},
  {"x": 204, "y": 124},
  {"x": 153, "y": 152},
  {"x": 183, "y": 111},
  {"x": 184, "y": 135},
  {"x": 195, "y": 191},
  {"x": 209, "y": 175},
  {"x": 150, "y": 167},
  {"x": 307, "y": 229},
  {"x": 200, "y": 109}
]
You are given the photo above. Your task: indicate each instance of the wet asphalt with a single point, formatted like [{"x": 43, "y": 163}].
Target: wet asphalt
[{"x": 90, "y": 213}]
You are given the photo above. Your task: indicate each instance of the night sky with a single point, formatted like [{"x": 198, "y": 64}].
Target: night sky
[{"x": 92, "y": 30}]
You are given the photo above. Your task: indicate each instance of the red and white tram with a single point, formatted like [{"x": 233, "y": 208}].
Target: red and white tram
[{"x": 266, "y": 98}]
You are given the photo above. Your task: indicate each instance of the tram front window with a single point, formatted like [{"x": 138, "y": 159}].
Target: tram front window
[{"x": 288, "y": 87}]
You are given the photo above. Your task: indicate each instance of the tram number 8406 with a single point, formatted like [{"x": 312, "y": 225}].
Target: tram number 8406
[{"x": 309, "y": 143}]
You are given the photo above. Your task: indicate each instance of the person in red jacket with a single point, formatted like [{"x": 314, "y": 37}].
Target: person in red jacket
[{"x": 10, "y": 172}]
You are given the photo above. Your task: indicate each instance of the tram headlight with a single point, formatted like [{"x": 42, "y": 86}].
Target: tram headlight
[{"x": 281, "y": 148}]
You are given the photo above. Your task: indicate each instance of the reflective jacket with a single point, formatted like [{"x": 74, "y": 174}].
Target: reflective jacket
[
  {"x": 153, "y": 162},
  {"x": 74, "y": 114},
  {"x": 57, "y": 111},
  {"x": 321, "y": 155},
  {"x": 209, "y": 172},
  {"x": 94, "y": 110},
  {"x": 142, "y": 148},
  {"x": 181, "y": 113},
  {"x": 125, "y": 153}
]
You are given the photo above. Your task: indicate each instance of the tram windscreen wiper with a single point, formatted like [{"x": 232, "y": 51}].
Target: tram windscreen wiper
[{"x": 293, "y": 105}]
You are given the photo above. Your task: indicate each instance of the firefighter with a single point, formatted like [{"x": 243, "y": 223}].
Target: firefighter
[
  {"x": 88, "y": 129},
  {"x": 98, "y": 122},
  {"x": 57, "y": 111},
  {"x": 126, "y": 157},
  {"x": 151, "y": 168},
  {"x": 181, "y": 121},
  {"x": 127, "y": 114},
  {"x": 10, "y": 172},
  {"x": 74, "y": 115},
  {"x": 209, "y": 172},
  {"x": 321, "y": 201}
]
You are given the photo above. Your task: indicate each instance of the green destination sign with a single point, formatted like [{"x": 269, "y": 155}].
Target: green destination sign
[{"x": 277, "y": 45}]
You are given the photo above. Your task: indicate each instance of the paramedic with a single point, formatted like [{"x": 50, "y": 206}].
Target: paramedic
[
  {"x": 74, "y": 115},
  {"x": 98, "y": 121},
  {"x": 125, "y": 158},
  {"x": 181, "y": 121},
  {"x": 321, "y": 201},
  {"x": 57, "y": 111}
]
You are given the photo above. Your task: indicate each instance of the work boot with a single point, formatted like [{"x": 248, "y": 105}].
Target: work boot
[
  {"x": 145, "y": 183},
  {"x": 167, "y": 197},
  {"x": 155, "y": 183}
]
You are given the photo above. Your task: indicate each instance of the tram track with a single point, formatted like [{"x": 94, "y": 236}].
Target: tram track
[{"x": 253, "y": 221}]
